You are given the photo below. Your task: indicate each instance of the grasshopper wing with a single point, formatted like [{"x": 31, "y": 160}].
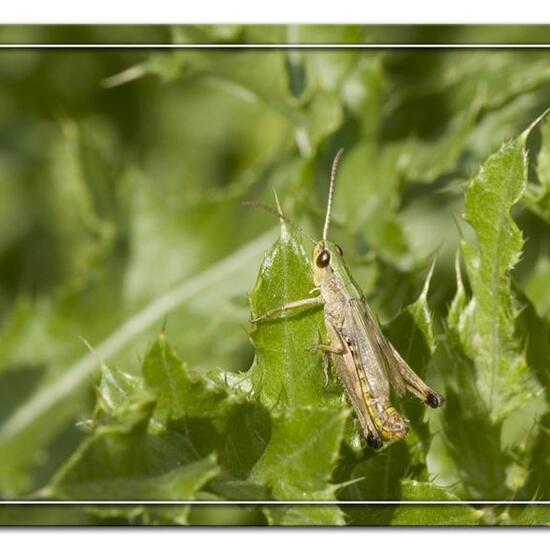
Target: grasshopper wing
[
  {"x": 398, "y": 367},
  {"x": 401, "y": 376},
  {"x": 365, "y": 317}
]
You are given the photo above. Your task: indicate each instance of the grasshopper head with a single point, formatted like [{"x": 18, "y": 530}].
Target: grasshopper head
[{"x": 327, "y": 258}]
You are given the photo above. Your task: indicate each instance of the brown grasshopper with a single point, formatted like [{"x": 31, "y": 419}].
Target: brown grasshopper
[{"x": 364, "y": 360}]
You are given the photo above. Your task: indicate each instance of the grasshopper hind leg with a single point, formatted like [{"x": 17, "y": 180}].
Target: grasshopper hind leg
[{"x": 335, "y": 352}]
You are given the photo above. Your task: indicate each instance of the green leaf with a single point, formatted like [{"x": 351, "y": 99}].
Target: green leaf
[
  {"x": 378, "y": 477},
  {"x": 181, "y": 392},
  {"x": 270, "y": 85},
  {"x": 116, "y": 390},
  {"x": 286, "y": 370},
  {"x": 62, "y": 391},
  {"x": 489, "y": 386},
  {"x": 128, "y": 458},
  {"x": 535, "y": 515},
  {"x": 308, "y": 421},
  {"x": 125, "y": 446},
  {"x": 246, "y": 435},
  {"x": 499, "y": 365},
  {"x": 424, "y": 161},
  {"x": 119, "y": 214},
  {"x": 468, "y": 432},
  {"x": 417, "y": 514},
  {"x": 429, "y": 515},
  {"x": 301, "y": 454},
  {"x": 470, "y": 454},
  {"x": 304, "y": 515},
  {"x": 78, "y": 237}
]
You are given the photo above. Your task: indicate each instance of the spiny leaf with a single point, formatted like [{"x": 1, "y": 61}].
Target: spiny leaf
[
  {"x": 500, "y": 367},
  {"x": 536, "y": 515},
  {"x": 376, "y": 478},
  {"x": 482, "y": 357},
  {"x": 470, "y": 454},
  {"x": 379, "y": 475},
  {"x": 286, "y": 371},
  {"x": 303, "y": 515},
  {"x": 79, "y": 237},
  {"x": 246, "y": 435},
  {"x": 417, "y": 514},
  {"x": 307, "y": 421},
  {"x": 126, "y": 459},
  {"x": 61, "y": 394},
  {"x": 474, "y": 442},
  {"x": 181, "y": 392},
  {"x": 412, "y": 329},
  {"x": 153, "y": 195},
  {"x": 117, "y": 390},
  {"x": 432, "y": 514},
  {"x": 301, "y": 454}
]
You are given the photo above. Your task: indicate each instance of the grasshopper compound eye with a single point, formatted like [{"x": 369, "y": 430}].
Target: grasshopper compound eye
[{"x": 323, "y": 259}]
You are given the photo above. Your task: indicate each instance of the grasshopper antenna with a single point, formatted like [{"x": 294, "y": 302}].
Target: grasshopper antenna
[
  {"x": 279, "y": 215},
  {"x": 331, "y": 191}
]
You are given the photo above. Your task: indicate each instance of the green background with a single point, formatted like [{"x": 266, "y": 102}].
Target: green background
[{"x": 121, "y": 177}]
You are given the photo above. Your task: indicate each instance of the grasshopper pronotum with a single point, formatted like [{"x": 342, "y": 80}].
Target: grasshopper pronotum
[{"x": 365, "y": 361}]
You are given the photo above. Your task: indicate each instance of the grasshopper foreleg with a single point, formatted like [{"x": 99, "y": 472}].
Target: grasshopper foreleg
[{"x": 306, "y": 302}]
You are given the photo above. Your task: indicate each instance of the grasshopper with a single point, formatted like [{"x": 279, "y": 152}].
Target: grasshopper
[{"x": 364, "y": 360}]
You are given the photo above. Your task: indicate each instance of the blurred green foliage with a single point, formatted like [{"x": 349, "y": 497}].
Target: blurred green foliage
[{"x": 128, "y": 369}]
